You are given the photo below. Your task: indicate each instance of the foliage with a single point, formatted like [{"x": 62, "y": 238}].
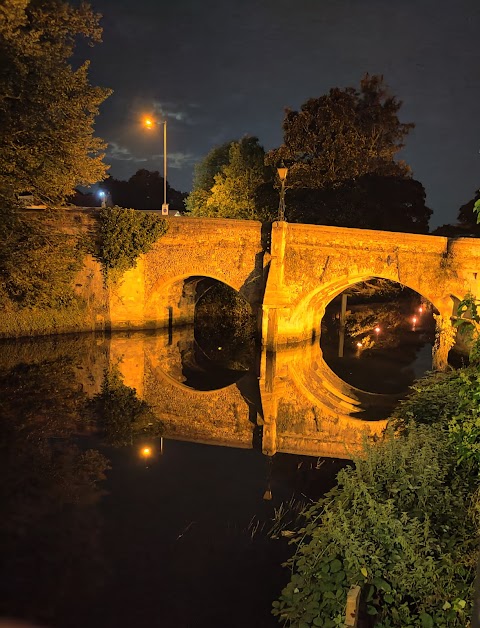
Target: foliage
[
  {"x": 468, "y": 215},
  {"x": 469, "y": 320},
  {"x": 222, "y": 313},
  {"x": 401, "y": 525},
  {"x": 451, "y": 401},
  {"x": 476, "y": 209},
  {"x": 369, "y": 202},
  {"x": 376, "y": 290},
  {"x": 433, "y": 400},
  {"x": 341, "y": 150},
  {"x": 37, "y": 264},
  {"x": 204, "y": 176},
  {"x": 122, "y": 415},
  {"x": 343, "y": 135},
  {"x": 49, "y": 487},
  {"x": 464, "y": 426},
  {"x": 47, "y": 106},
  {"x": 389, "y": 318},
  {"x": 124, "y": 234},
  {"x": 144, "y": 190},
  {"x": 237, "y": 189}
]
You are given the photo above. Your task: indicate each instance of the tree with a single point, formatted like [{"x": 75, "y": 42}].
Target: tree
[
  {"x": 47, "y": 106},
  {"x": 467, "y": 224},
  {"x": 237, "y": 188},
  {"x": 389, "y": 203},
  {"x": 204, "y": 176},
  {"x": 343, "y": 135},
  {"x": 467, "y": 216},
  {"x": 341, "y": 150},
  {"x": 144, "y": 190}
]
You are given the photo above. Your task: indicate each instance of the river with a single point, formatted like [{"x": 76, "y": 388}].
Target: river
[{"x": 157, "y": 507}]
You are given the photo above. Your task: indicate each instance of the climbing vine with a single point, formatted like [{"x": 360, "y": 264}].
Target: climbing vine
[{"x": 124, "y": 235}]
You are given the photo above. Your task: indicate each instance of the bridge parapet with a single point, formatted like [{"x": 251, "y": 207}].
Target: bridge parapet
[{"x": 313, "y": 264}]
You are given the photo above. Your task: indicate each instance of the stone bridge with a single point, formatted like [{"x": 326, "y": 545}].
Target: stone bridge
[{"x": 288, "y": 273}]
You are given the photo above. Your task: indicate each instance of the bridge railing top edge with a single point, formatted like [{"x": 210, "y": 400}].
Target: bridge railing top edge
[{"x": 364, "y": 233}]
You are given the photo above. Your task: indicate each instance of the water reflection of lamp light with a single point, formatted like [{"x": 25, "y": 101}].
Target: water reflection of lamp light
[
  {"x": 414, "y": 321},
  {"x": 359, "y": 346}
]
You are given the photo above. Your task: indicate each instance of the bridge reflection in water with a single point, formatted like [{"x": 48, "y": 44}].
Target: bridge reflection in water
[{"x": 290, "y": 401}]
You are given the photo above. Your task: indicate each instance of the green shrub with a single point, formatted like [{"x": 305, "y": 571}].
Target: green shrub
[
  {"x": 37, "y": 264},
  {"x": 434, "y": 399},
  {"x": 124, "y": 234},
  {"x": 401, "y": 525}
]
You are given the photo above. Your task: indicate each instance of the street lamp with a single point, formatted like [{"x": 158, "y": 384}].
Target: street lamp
[
  {"x": 282, "y": 175},
  {"x": 103, "y": 201},
  {"x": 149, "y": 124}
]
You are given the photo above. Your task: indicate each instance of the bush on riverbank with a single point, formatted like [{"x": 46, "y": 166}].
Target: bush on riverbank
[{"x": 403, "y": 523}]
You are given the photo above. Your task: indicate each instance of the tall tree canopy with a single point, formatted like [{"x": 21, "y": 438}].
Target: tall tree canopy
[
  {"x": 467, "y": 224},
  {"x": 230, "y": 182},
  {"x": 467, "y": 217},
  {"x": 343, "y": 135},
  {"x": 47, "y": 106},
  {"x": 341, "y": 152}
]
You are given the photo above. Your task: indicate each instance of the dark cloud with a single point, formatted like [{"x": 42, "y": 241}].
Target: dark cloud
[{"x": 219, "y": 70}]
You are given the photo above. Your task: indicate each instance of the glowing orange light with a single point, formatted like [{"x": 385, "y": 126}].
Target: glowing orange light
[
  {"x": 377, "y": 329},
  {"x": 148, "y": 122},
  {"x": 414, "y": 320},
  {"x": 420, "y": 309},
  {"x": 359, "y": 344},
  {"x": 146, "y": 452}
]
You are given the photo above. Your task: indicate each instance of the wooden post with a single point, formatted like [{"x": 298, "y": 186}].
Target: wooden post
[
  {"x": 343, "y": 310},
  {"x": 351, "y": 612}
]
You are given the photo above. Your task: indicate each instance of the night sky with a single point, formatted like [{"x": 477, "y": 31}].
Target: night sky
[{"x": 220, "y": 70}]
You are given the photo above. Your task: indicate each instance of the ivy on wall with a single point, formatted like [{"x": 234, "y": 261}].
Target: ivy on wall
[{"x": 124, "y": 235}]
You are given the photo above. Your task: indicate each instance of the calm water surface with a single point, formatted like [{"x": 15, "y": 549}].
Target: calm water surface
[{"x": 97, "y": 535}]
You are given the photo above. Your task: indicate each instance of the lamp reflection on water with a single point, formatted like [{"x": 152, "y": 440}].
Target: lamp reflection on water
[{"x": 147, "y": 451}]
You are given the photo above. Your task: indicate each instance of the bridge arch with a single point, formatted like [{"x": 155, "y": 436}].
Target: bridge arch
[
  {"x": 311, "y": 264},
  {"x": 174, "y": 300},
  {"x": 311, "y": 308}
]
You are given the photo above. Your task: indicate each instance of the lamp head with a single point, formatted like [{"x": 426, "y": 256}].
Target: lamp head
[
  {"x": 148, "y": 122},
  {"x": 282, "y": 173}
]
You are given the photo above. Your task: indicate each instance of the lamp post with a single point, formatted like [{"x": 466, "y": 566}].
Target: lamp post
[
  {"x": 149, "y": 124},
  {"x": 282, "y": 175}
]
